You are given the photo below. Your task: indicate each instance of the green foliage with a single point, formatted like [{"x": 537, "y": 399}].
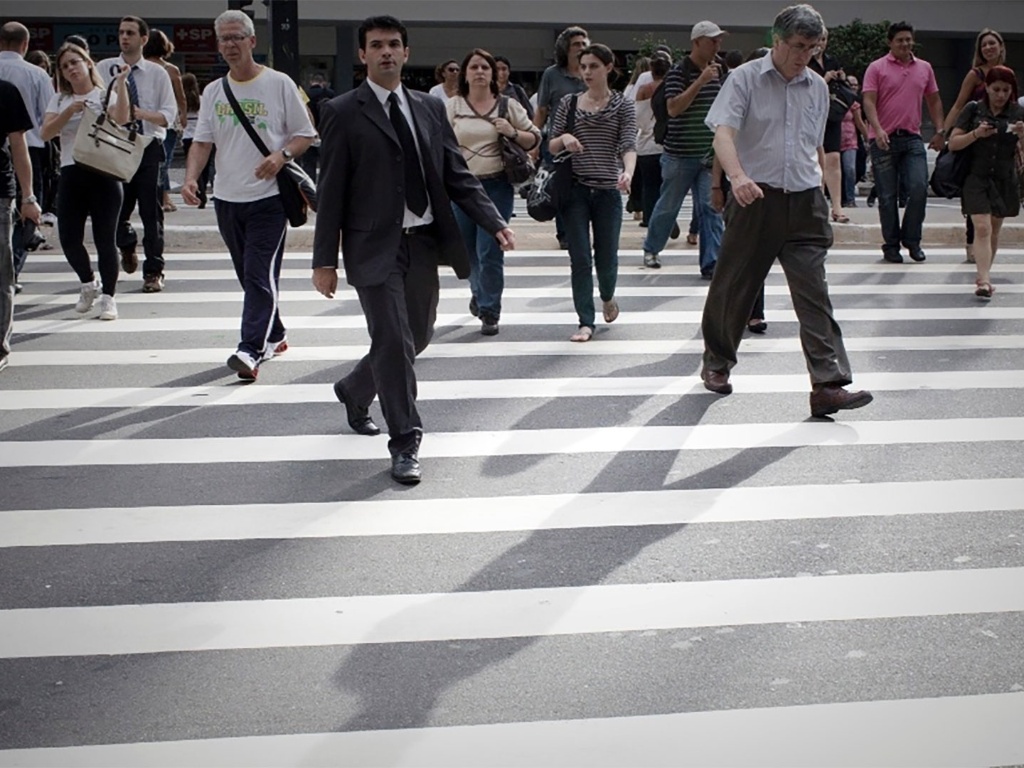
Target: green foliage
[
  {"x": 857, "y": 44},
  {"x": 646, "y": 45}
]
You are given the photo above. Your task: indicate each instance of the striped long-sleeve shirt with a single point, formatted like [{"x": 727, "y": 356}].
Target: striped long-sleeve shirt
[{"x": 606, "y": 135}]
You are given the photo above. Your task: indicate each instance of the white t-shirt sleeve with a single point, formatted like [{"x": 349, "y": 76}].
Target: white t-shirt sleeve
[{"x": 296, "y": 116}]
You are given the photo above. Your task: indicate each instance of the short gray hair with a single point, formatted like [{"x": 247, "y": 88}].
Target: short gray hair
[
  {"x": 235, "y": 17},
  {"x": 800, "y": 20}
]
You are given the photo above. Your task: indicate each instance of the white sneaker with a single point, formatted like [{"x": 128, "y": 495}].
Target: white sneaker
[
  {"x": 88, "y": 295},
  {"x": 108, "y": 308},
  {"x": 49, "y": 218},
  {"x": 245, "y": 365},
  {"x": 273, "y": 349}
]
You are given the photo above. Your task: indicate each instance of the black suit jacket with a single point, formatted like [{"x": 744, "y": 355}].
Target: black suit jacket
[{"x": 360, "y": 209}]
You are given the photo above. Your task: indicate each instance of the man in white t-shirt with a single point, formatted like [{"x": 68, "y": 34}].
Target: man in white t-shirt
[{"x": 250, "y": 214}]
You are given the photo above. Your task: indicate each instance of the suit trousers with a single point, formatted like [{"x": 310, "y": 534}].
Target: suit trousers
[
  {"x": 400, "y": 315},
  {"x": 793, "y": 228},
  {"x": 144, "y": 187}
]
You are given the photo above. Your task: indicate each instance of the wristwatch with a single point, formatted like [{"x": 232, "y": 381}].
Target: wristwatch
[
  {"x": 29, "y": 200},
  {"x": 286, "y": 154}
]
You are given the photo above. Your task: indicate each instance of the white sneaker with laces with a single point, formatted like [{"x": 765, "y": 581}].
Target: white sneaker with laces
[
  {"x": 273, "y": 349},
  {"x": 108, "y": 308},
  {"x": 88, "y": 295},
  {"x": 244, "y": 364}
]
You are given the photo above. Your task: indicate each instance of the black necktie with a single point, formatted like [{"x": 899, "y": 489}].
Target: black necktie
[{"x": 415, "y": 189}]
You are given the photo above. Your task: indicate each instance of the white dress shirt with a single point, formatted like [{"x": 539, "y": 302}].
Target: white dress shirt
[
  {"x": 410, "y": 219},
  {"x": 155, "y": 91}
]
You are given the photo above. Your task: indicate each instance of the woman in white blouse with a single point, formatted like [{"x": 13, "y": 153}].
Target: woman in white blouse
[{"x": 83, "y": 193}]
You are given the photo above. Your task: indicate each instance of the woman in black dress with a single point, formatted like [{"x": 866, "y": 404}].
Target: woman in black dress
[{"x": 991, "y": 128}]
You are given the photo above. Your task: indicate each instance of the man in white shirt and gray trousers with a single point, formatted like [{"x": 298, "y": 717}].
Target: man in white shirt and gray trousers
[
  {"x": 769, "y": 123},
  {"x": 149, "y": 87}
]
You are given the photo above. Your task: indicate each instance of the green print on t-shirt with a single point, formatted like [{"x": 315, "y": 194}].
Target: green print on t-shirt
[{"x": 254, "y": 109}]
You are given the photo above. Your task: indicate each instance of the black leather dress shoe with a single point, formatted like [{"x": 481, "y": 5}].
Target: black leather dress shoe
[
  {"x": 892, "y": 255},
  {"x": 915, "y": 252},
  {"x": 405, "y": 468},
  {"x": 358, "y": 417}
]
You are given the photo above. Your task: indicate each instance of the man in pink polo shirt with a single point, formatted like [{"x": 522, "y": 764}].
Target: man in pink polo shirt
[{"x": 894, "y": 87}]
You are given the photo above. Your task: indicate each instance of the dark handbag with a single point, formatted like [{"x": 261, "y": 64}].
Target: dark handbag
[
  {"x": 840, "y": 98},
  {"x": 553, "y": 183},
  {"x": 517, "y": 163},
  {"x": 950, "y": 172},
  {"x": 297, "y": 190}
]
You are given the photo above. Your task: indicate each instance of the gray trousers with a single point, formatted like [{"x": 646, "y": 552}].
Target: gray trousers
[
  {"x": 6, "y": 274},
  {"x": 793, "y": 228}
]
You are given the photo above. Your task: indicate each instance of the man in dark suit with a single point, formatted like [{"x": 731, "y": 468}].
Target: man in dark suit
[{"x": 390, "y": 169}]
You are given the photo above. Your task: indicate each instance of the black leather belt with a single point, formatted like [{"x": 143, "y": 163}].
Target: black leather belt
[
  {"x": 420, "y": 230},
  {"x": 902, "y": 132}
]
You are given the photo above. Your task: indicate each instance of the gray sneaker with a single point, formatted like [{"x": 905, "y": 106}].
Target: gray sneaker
[
  {"x": 651, "y": 260},
  {"x": 87, "y": 296},
  {"x": 108, "y": 308}
]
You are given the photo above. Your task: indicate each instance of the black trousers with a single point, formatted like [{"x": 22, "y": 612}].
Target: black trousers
[
  {"x": 400, "y": 315},
  {"x": 84, "y": 194},
  {"x": 144, "y": 188},
  {"x": 793, "y": 228}
]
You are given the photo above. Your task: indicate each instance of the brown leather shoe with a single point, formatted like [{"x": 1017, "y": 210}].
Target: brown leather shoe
[
  {"x": 716, "y": 381},
  {"x": 829, "y": 398},
  {"x": 129, "y": 260}
]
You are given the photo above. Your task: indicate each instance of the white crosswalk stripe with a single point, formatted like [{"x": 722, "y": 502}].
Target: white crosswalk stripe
[{"x": 605, "y": 564}]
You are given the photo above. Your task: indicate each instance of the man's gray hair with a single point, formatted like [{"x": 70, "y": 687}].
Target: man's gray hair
[
  {"x": 235, "y": 17},
  {"x": 800, "y": 20}
]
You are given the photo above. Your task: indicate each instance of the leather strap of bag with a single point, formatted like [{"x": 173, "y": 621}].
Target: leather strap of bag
[
  {"x": 503, "y": 112},
  {"x": 260, "y": 145},
  {"x": 133, "y": 124}
]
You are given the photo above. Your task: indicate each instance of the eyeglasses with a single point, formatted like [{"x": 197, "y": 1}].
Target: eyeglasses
[
  {"x": 803, "y": 50},
  {"x": 232, "y": 38}
]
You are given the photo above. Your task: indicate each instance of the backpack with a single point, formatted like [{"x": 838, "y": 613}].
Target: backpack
[{"x": 659, "y": 106}]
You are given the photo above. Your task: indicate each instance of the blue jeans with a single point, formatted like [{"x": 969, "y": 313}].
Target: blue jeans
[
  {"x": 849, "y": 160},
  {"x": 679, "y": 175},
  {"x": 601, "y": 210},
  {"x": 486, "y": 259},
  {"x": 905, "y": 163}
]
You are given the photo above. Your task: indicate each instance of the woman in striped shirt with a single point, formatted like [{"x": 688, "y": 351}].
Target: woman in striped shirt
[{"x": 603, "y": 147}]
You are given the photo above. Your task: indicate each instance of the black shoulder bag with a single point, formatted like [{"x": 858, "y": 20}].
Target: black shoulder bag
[
  {"x": 298, "y": 192},
  {"x": 517, "y": 163},
  {"x": 553, "y": 183},
  {"x": 951, "y": 168}
]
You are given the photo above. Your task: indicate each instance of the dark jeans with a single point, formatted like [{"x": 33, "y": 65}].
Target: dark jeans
[
  {"x": 793, "y": 228},
  {"x": 144, "y": 188},
  {"x": 906, "y": 162},
  {"x": 254, "y": 234},
  {"x": 486, "y": 259},
  {"x": 650, "y": 172},
  {"x": 599, "y": 210},
  {"x": 204, "y": 176},
  {"x": 40, "y": 158},
  {"x": 84, "y": 194},
  {"x": 400, "y": 315}
]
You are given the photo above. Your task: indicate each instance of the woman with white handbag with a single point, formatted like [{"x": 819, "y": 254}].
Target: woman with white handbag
[{"x": 83, "y": 193}]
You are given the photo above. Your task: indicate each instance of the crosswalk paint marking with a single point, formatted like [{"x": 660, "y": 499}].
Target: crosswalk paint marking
[
  {"x": 305, "y": 622},
  {"x": 523, "y": 442},
  {"x": 78, "y": 324},
  {"x": 947, "y": 732},
  {"x": 540, "y": 292},
  {"x": 414, "y": 517},
  {"x": 501, "y": 348},
  {"x": 489, "y": 389}
]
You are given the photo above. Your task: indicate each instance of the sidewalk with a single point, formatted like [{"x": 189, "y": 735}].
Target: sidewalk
[{"x": 191, "y": 229}]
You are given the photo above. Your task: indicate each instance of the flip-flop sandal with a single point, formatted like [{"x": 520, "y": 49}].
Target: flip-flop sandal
[
  {"x": 840, "y": 218},
  {"x": 984, "y": 290},
  {"x": 582, "y": 334},
  {"x": 611, "y": 310}
]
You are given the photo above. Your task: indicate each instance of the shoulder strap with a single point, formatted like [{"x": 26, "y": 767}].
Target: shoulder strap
[
  {"x": 260, "y": 145},
  {"x": 503, "y": 107}
]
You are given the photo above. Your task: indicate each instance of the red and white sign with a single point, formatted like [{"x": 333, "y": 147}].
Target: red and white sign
[{"x": 194, "y": 38}]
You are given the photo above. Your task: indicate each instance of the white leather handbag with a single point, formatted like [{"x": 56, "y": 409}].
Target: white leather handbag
[{"x": 103, "y": 146}]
